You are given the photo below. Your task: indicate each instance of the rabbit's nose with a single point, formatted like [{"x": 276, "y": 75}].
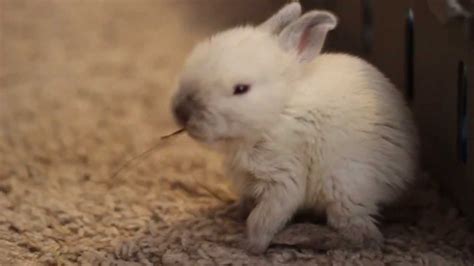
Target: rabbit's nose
[{"x": 182, "y": 113}]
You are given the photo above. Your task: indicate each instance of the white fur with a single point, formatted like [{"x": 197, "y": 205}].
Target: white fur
[{"x": 331, "y": 135}]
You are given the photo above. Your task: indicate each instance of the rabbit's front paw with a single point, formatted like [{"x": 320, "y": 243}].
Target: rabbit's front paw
[{"x": 257, "y": 244}]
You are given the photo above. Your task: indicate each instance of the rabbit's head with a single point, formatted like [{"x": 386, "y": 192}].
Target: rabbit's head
[{"x": 235, "y": 84}]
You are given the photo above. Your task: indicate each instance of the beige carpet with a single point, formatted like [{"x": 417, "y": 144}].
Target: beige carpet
[{"x": 85, "y": 85}]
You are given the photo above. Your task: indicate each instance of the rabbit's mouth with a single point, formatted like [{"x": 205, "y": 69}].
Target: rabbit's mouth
[
  {"x": 206, "y": 135},
  {"x": 195, "y": 134},
  {"x": 199, "y": 133}
]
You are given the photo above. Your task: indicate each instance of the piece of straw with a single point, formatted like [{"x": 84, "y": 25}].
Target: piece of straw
[{"x": 145, "y": 153}]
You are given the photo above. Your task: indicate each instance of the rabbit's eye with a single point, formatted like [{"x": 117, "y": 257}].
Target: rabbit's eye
[{"x": 241, "y": 89}]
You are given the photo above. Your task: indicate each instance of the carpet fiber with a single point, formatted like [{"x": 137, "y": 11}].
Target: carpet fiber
[{"x": 85, "y": 85}]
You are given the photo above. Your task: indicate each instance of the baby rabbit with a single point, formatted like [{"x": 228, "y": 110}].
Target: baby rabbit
[{"x": 300, "y": 130}]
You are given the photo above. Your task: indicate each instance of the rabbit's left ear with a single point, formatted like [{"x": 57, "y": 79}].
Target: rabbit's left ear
[
  {"x": 307, "y": 34},
  {"x": 282, "y": 18}
]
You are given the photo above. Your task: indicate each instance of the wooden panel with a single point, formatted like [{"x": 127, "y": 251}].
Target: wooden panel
[
  {"x": 439, "y": 50},
  {"x": 468, "y": 198},
  {"x": 388, "y": 48}
]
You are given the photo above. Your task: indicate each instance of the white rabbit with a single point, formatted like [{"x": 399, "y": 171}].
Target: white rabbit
[{"x": 300, "y": 130}]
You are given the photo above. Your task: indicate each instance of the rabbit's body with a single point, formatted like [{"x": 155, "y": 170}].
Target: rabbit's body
[
  {"x": 330, "y": 135},
  {"x": 344, "y": 144},
  {"x": 329, "y": 127}
]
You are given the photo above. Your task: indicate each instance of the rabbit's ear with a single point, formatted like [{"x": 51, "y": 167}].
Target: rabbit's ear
[
  {"x": 307, "y": 34},
  {"x": 282, "y": 18}
]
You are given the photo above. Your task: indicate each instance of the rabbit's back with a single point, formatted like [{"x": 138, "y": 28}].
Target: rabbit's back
[{"x": 359, "y": 121}]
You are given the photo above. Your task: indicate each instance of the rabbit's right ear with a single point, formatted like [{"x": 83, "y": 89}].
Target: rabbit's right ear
[
  {"x": 282, "y": 18},
  {"x": 306, "y": 35}
]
